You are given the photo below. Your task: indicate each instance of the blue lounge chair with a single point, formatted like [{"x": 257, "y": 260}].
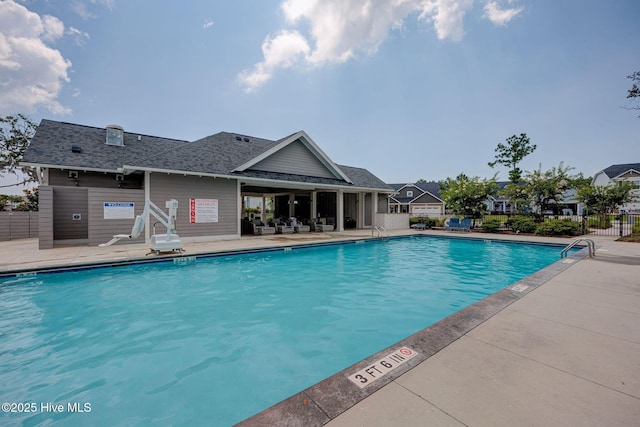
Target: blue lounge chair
[
  {"x": 465, "y": 225},
  {"x": 454, "y": 224}
]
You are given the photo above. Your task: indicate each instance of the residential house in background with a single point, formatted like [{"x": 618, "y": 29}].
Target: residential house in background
[
  {"x": 417, "y": 199},
  {"x": 624, "y": 172},
  {"x": 499, "y": 204}
]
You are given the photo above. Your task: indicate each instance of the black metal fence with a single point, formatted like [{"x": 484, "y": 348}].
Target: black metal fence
[{"x": 603, "y": 225}]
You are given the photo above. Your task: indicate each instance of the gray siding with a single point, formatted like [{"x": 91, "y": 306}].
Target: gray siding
[
  {"x": 61, "y": 178},
  {"x": 45, "y": 217},
  {"x": 383, "y": 204},
  {"x": 68, "y": 201},
  {"x": 295, "y": 159},
  {"x": 427, "y": 198},
  {"x": 101, "y": 230},
  {"x": 368, "y": 207},
  {"x": 164, "y": 187},
  {"x": 18, "y": 225}
]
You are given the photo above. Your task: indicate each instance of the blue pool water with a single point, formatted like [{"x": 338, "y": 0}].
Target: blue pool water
[{"x": 215, "y": 340}]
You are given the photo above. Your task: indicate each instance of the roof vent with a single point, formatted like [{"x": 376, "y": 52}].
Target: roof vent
[
  {"x": 238, "y": 138},
  {"x": 76, "y": 149},
  {"x": 246, "y": 140},
  {"x": 115, "y": 135}
]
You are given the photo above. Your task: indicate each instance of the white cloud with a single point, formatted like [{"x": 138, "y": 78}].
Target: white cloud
[
  {"x": 80, "y": 37},
  {"x": 81, "y": 10},
  {"x": 281, "y": 51},
  {"x": 207, "y": 24},
  {"x": 340, "y": 29},
  {"x": 81, "y": 7},
  {"x": 31, "y": 72},
  {"x": 447, "y": 17},
  {"x": 498, "y": 15}
]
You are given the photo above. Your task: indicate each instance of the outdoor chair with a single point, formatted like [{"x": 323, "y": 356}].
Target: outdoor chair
[
  {"x": 454, "y": 224},
  {"x": 465, "y": 225},
  {"x": 259, "y": 228}
]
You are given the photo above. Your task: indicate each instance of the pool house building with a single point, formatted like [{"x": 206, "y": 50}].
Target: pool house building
[{"x": 94, "y": 181}]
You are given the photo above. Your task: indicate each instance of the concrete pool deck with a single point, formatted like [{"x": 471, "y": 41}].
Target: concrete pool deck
[{"x": 562, "y": 349}]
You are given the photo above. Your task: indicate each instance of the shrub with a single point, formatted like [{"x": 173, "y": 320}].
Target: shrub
[
  {"x": 491, "y": 225},
  {"x": 635, "y": 230},
  {"x": 429, "y": 222},
  {"x": 559, "y": 227},
  {"x": 439, "y": 222},
  {"x": 600, "y": 221},
  {"x": 521, "y": 223}
]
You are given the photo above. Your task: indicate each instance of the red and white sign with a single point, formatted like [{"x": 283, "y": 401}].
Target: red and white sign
[{"x": 203, "y": 210}]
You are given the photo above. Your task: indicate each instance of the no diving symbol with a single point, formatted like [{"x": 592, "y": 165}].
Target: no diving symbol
[{"x": 405, "y": 351}]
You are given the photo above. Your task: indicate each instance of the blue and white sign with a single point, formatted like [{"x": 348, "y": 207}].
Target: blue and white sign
[{"x": 119, "y": 210}]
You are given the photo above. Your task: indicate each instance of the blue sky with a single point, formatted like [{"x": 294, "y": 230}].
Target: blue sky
[{"x": 408, "y": 89}]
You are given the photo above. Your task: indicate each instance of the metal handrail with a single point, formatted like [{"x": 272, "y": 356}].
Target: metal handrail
[
  {"x": 379, "y": 229},
  {"x": 590, "y": 244}
]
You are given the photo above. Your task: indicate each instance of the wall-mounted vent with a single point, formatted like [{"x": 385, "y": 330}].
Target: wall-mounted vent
[
  {"x": 119, "y": 177},
  {"x": 115, "y": 135},
  {"x": 76, "y": 149},
  {"x": 73, "y": 174}
]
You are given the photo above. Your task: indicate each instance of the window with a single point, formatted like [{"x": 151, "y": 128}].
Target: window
[{"x": 115, "y": 135}]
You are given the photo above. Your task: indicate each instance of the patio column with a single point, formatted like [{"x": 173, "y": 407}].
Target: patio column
[
  {"x": 374, "y": 207},
  {"x": 361, "y": 206},
  {"x": 147, "y": 199},
  {"x": 314, "y": 206},
  {"x": 263, "y": 214},
  {"x": 240, "y": 202},
  {"x": 340, "y": 210},
  {"x": 292, "y": 207}
]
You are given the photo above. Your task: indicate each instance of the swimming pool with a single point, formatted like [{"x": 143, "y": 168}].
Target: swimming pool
[{"x": 215, "y": 340}]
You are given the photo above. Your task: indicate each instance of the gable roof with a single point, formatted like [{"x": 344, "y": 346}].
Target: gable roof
[
  {"x": 615, "y": 171},
  {"x": 432, "y": 188},
  {"x": 303, "y": 138},
  {"x": 222, "y": 154}
]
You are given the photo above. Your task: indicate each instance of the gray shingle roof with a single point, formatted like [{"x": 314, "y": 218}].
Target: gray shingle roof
[
  {"x": 218, "y": 154},
  {"x": 51, "y": 145},
  {"x": 432, "y": 187},
  {"x": 617, "y": 170}
]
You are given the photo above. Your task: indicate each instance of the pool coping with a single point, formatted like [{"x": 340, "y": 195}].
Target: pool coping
[{"x": 322, "y": 402}]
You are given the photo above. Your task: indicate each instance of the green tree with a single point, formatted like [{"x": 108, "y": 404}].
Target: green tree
[
  {"x": 517, "y": 194},
  {"x": 16, "y": 132},
  {"x": 546, "y": 189},
  {"x": 511, "y": 154},
  {"x": 634, "y": 92},
  {"x": 31, "y": 197},
  {"x": 7, "y": 202},
  {"x": 467, "y": 196},
  {"x": 605, "y": 199}
]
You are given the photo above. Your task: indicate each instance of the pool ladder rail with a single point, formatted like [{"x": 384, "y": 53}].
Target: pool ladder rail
[
  {"x": 590, "y": 244},
  {"x": 381, "y": 230}
]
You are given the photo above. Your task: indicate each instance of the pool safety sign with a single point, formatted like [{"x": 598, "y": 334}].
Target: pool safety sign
[
  {"x": 119, "y": 210},
  {"x": 382, "y": 367},
  {"x": 203, "y": 210}
]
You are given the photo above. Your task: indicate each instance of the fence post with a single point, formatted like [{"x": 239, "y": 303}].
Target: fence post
[{"x": 620, "y": 224}]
